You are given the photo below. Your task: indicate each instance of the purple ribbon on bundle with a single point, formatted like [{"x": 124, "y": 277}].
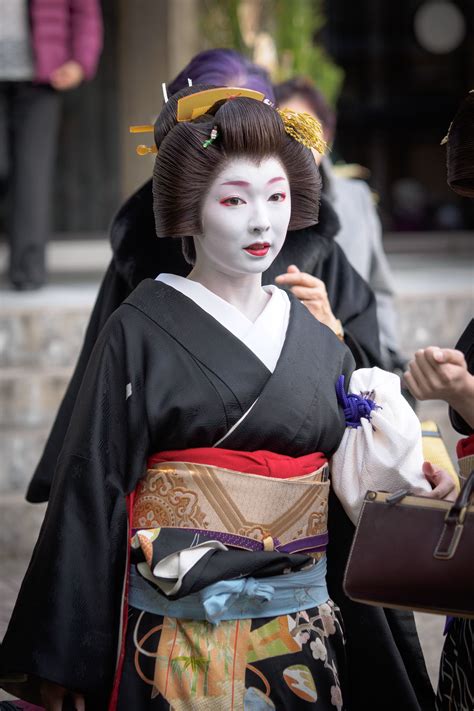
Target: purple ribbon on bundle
[{"x": 355, "y": 407}]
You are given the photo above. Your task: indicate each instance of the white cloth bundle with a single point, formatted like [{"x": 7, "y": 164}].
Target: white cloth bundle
[{"x": 383, "y": 453}]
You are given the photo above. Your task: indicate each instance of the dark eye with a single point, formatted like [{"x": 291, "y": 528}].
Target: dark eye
[
  {"x": 232, "y": 201},
  {"x": 277, "y": 197}
]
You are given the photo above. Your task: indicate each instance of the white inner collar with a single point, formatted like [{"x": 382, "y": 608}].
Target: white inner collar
[{"x": 264, "y": 337}]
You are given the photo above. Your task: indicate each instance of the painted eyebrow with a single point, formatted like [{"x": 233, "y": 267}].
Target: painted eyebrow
[{"x": 244, "y": 183}]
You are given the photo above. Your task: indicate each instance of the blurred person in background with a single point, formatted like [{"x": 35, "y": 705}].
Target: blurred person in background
[
  {"x": 387, "y": 635},
  {"x": 46, "y": 47},
  {"x": 360, "y": 233},
  {"x": 448, "y": 374}
]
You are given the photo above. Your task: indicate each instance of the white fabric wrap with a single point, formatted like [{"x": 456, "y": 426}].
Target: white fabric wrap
[{"x": 384, "y": 453}]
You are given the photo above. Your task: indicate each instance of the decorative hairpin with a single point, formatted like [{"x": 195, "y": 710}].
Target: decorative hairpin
[
  {"x": 446, "y": 138},
  {"x": 211, "y": 138},
  {"x": 143, "y": 150},
  {"x": 192, "y": 106},
  {"x": 301, "y": 126},
  {"x": 304, "y": 128}
]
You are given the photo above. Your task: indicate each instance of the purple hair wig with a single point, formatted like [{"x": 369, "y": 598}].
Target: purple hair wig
[{"x": 223, "y": 67}]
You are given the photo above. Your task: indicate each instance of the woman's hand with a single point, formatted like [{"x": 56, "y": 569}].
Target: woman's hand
[
  {"x": 442, "y": 483},
  {"x": 311, "y": 291},
  {"x": 442, "y": 374},
  {"x": 53, "y": 696}
]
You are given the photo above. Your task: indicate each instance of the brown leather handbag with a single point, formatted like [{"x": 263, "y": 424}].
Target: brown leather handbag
[{"x": 412, "y": 552}]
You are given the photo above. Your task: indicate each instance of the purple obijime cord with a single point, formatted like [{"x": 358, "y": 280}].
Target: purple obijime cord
[{"x": 355, "y": 407}]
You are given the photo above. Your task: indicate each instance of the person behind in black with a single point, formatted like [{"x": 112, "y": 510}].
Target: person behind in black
[
  {"x": 137, "y": 254},
  {"x": 448, "y": 374}
]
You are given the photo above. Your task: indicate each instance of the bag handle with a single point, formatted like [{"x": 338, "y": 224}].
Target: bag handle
[
  {"x": 454, "y": 522},
  {"x": 458, "y": 509}
]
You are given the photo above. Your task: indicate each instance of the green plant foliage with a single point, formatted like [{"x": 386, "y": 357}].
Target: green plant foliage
[
  {"x": 297, "y": 23},
  {"x": 293, "y": 26}
]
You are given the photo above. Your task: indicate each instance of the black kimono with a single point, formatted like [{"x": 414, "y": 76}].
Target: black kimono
[
  {"x": 165, "y": 375},
  {"x": 138, "y": 254}
]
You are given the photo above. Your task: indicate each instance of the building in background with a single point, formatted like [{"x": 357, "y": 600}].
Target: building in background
[{"x": 406, "y": 66}]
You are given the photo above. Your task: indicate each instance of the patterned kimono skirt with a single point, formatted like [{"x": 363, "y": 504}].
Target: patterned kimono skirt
[
  {"x": 293, "y": 661},
  {"x": 287, "y": 661}
]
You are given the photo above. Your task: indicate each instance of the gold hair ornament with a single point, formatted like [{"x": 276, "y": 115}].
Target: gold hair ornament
[
  {"x": 301, "y": 126},
  {"x": 192, "y": 106},
  {"x": 304, "y": 128},
  {"x": 143, "y": 150}
]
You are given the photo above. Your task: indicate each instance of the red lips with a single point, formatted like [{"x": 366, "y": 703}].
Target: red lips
[{"x": 258, "y": 249}]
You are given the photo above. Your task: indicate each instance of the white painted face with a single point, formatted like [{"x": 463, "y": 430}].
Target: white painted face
[{"x": 245, "y": 217}]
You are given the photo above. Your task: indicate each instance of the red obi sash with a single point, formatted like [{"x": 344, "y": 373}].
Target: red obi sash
[{"x": 261, "y": 462}]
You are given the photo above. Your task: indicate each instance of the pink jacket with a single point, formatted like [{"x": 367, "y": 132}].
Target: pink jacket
[{"x": 64, "y": 30}]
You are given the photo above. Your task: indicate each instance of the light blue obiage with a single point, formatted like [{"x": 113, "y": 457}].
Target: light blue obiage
[{"x": 239, "y": 599}]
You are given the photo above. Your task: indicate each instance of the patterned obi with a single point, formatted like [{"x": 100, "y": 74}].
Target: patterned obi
[
  {"x": 211, "y": 542},
  {"x": 240, "y": 509}
]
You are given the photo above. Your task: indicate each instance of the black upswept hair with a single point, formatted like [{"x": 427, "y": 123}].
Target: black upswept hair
[{"x": 184, "y": 169}]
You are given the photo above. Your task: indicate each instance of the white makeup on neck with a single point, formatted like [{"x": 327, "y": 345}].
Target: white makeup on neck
[{"x": 245, "y": 216}]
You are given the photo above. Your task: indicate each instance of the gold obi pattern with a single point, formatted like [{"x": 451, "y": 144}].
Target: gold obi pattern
[{"x": 198, "y": 496}]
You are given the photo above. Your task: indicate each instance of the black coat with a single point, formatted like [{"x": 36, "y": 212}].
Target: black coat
[{"x": 138, "y": 254}]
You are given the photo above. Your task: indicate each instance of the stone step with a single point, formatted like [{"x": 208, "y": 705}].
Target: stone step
[
  {"x": 21, "y": 450},
  {"x": 29, "y": 397},
  {"x": 426, "y": 319},
  {"x": 42, "y": 337},
  {"x": 86, "y": 253},
  {"x": 48, "y": 331}
]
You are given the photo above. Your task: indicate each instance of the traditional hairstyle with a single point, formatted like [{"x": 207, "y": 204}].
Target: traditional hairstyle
[
  {"x": 223, "y": 67},
  {"x": 185, "y": 167},
  {"x": 301, "y": 86},
  {"x": 460, "y": 154}
]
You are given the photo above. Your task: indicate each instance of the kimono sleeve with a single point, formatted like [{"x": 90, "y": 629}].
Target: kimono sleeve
[
  {"x": 381, "y": 452},
  {"x": 66, "y": 621},
  {"x": 111, "y": 294}
]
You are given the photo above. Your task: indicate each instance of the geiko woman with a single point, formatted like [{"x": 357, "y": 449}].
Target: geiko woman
[
  {"x": 201, "y": 433},
  {"x": 137, "y": 255}
]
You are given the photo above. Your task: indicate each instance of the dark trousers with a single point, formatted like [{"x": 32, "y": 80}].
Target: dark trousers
[{"x": 29, "y": 119}]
